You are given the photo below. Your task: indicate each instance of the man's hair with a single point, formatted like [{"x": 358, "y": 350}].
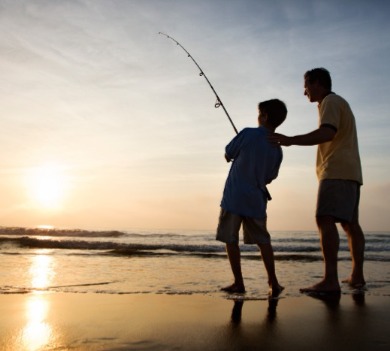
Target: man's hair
[
  {"x": 321, "y": 75},
  {"x": 276, "y": 111}
]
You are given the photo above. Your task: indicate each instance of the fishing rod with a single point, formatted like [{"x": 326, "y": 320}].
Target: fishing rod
[{"x": 202, "y": 74}]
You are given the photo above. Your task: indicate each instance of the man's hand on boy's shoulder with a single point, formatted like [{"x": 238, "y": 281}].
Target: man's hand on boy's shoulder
[{"x": 279, "y": 139}]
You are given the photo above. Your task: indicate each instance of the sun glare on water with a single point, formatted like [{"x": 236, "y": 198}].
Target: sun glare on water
[{"x": 47, "y": 186}]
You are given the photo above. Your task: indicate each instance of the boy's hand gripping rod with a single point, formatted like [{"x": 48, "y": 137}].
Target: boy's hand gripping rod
[{"x": 219, "y": 102}]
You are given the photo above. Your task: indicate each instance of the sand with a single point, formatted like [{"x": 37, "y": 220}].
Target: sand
[{"x": 69, "y": 321}]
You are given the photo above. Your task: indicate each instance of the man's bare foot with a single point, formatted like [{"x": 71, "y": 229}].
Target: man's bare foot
[
  {"x": 234, "y": 288},
  {"x": 322, "y": 288},
  {"x": 355, "y": 283},
  {"x": 275, "y": 291}
]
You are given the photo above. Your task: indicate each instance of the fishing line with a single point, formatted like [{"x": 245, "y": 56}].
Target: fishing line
[{"x": 202, "y": 74}]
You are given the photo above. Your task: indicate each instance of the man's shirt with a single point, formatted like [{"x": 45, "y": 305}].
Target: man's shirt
[{"x": 338, "y": 158}]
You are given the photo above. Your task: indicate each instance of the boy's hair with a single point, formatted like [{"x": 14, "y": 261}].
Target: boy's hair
[
  {"x": 321, "y": 75},
  {"x": 276, "y": 111}
]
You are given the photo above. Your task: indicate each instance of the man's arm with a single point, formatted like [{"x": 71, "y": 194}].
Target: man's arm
[{"x": 318, "y": 136}]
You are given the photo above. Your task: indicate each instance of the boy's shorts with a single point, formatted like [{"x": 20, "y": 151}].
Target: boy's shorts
[
  {"x": 255, "y": 229},
  {"x": 340, "y": 199}
]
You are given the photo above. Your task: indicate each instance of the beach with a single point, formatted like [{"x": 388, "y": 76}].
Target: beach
[
  {"x": 70, "y": 321},
  {"x": 160, "y": 290}
]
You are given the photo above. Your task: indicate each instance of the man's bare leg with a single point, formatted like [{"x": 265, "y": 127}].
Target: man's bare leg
[
  {"x": 234, "y": 255},
  {"x": 356, "y": 242},
  {"x": 267, "y": 254},
  {"x": 330, "y": 243}
]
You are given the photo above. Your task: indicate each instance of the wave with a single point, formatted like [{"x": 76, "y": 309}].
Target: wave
[
  {"x": 20, "y": 231},
  {"x": 297, "y": 252},
  {"x": 285, "y": 237},
  {"x": 44, "y": 243},
  {"x": 9, "y": 289}
]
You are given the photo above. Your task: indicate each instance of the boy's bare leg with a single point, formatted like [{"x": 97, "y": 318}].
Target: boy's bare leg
[
  {"x": 356, "y": 242},
  {"x": 267, "y": 254},
  {"x": 330, "y": 243},
  {"x": 234, "y": 255}
]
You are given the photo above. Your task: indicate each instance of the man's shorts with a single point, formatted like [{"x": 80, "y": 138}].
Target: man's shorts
[
  {"x": 255, "y": 230},
  {"x": 340, "y": 199}
]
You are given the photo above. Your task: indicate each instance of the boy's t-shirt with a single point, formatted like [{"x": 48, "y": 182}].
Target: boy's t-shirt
[{"x": 256, "y": 163}]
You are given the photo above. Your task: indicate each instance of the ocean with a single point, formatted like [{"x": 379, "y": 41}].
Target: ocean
[{"x": 170, "y": 262}]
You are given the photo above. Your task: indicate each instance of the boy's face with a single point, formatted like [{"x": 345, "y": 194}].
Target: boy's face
[{"x": 262, "y": 118}]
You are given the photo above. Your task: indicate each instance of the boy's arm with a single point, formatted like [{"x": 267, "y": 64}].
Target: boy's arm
[
  {"x": 318, "y": 136},
  {"x": 233, "y": 148},
  {"x": 275, "y": 171}
]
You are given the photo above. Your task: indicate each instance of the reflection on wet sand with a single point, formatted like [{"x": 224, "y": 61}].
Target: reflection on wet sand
[
  {"x": 37, "y": 333},
  {"x": 332, "y": 301},
  {"x": 237, "y": 311}
]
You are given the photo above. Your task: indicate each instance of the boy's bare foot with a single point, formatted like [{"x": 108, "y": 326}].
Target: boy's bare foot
[
  {"x": 322, "y": 288},
  {"x": 355, "y": 283},
  {"x": 234, "y": 288},
  {"x": 276, "y": 291}
]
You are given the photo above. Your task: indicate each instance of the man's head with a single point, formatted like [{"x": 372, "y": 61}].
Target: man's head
[
  {"x": 318, "y": 84},
  {"x": 272, "y": 113}
]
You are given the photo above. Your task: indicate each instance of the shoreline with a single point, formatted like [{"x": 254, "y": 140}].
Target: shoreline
[{"x": 90, "y": 321}]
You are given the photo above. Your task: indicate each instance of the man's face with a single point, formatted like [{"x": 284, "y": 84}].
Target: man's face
[{"x": 311, "y": 90}]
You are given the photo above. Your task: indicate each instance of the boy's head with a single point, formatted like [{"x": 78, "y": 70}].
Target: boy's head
[{"x": 272, "y": 113}]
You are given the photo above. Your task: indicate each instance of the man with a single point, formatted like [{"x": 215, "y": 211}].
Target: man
[
  {"x": 340, "y": 177},
  {"x": 244, "y": 202}
]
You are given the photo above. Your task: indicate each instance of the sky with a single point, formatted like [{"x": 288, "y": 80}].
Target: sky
[{"x": 107, "y": 125}]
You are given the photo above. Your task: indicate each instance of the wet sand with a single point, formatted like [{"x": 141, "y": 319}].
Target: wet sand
[{"x": 68, "y": 321}]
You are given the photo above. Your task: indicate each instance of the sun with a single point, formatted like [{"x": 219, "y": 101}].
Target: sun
[{"x": 47, "y": 186}]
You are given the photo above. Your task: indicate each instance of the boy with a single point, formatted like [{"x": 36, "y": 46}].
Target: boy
[{"x": 256, "y": 163}]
